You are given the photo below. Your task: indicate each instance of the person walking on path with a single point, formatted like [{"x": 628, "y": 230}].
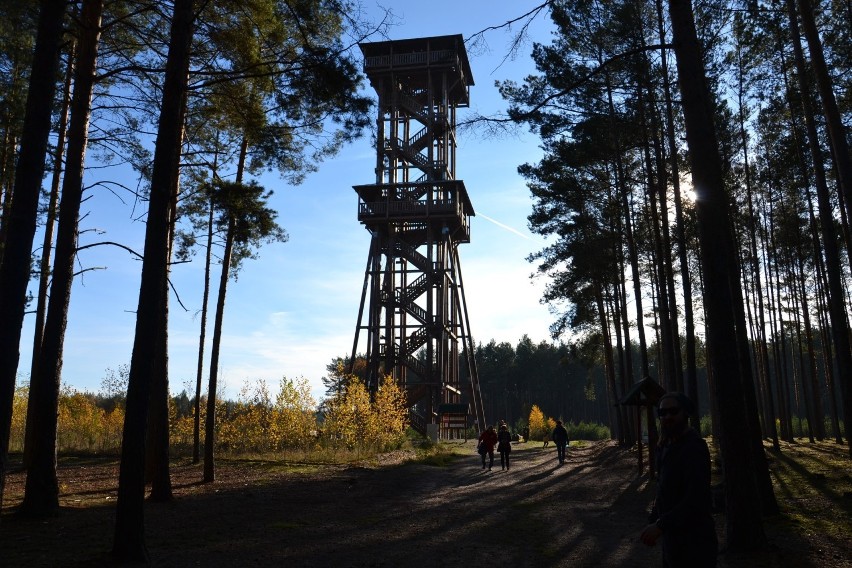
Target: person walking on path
[
  {"x": 504, "y": 446},
  {"x": 487, "y": 441},
  {"x": 681, "y": 516},
  {"x": 560, "y": 438}
]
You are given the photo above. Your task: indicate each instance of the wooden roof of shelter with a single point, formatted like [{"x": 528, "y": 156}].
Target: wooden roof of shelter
[{"x": 646, "y": 392}]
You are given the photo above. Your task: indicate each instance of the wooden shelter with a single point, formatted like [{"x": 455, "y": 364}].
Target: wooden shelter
[{"x": 645, "y": 395}]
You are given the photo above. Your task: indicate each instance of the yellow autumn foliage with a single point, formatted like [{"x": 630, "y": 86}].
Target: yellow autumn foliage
[
  {"x": 19, "y": 419},
  {"x": 391, "y": 411},
  {"x": 358, "y": 423},
  {"x": 257, "y": 422},
  {"x": 541, "y": 426},
  {"x": 537, "y": 422},
  {"x": 82, "y": 425},
  {"x": 181, "y": 428}
]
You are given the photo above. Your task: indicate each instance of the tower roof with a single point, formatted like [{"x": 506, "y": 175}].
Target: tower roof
[
  {"x": 453, "y": 42},
  {"x": 415, "y": 57}
]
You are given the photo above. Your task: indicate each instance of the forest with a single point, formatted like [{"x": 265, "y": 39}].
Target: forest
[
  {"x": 701, "y": 192},
  {"x": 695, "y": 190}
]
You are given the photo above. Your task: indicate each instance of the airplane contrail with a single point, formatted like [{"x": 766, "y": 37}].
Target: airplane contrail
[{"x": 507, "y": 227}]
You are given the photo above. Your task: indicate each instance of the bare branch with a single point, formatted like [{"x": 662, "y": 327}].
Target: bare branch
[
  {"x": 477, "y": 41},
  {"x": 113, "y": 243},
  {"x": 177, "y": 296},
  {"x": 134, "y": 253},
  {"x": 76, "y": 274}
]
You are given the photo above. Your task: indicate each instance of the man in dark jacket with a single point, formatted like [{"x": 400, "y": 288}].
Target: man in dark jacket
[
  {"x": 681, "y": 515},
  {"x": 560, "y": 438}
]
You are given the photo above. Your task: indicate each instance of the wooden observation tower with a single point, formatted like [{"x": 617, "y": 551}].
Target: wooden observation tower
[{"x": 413, "y": 310}]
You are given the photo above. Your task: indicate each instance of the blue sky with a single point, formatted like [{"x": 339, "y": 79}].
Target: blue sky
[{"x": 294, "y": 308}]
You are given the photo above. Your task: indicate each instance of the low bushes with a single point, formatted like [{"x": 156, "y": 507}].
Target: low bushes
[{"x": 256, "y": 423}]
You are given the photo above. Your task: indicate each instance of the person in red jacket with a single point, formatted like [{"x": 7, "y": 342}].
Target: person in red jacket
[{"x": 487, "y": 441}]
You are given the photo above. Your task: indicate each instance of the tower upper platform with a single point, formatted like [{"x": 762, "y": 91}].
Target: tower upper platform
[{"x": 413, "y": 61}]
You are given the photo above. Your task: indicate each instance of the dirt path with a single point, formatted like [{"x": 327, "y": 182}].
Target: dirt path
[
  {"x": 588, "y": 512},
  {"x": 536, "y": 514}
]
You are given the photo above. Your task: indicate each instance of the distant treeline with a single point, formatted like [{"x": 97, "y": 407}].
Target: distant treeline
[{"x": 567, "y": 381}]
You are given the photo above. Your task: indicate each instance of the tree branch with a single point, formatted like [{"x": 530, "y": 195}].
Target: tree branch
[
  {"x": 133, "y": 252},
  {"x": 520, "y": 116}
]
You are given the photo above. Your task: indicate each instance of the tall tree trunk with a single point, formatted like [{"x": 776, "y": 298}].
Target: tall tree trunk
[
  {"x": 47, "y": 247},
  {"x": 157, "y": 435},
  {"x": 667, "y": 259},
  {"x": 627, "y": 228},
  {"x": 609, "y": 364},
  {"x": 760, "y": 466},
  {"x": 762, "y": 354},
  {"x": 748, "y": 290},
  {"x": 158, "y": 472},
  {"x": 785, "y": 367},
  {"x": 797, "y": 344},
  {"x": 157, "y": 442},
  {"x": 743, "y": 506},
  {"x": 129, "y": 537},
  {"x": 777, "y": 333},
  {"x": 21, "y": 223},
  {"x": 7, "y": 180},
  {"x": 843, "y": 166},
  {"x": 624, "y": 322},
  {"x": 691, "y": 379},
  {"x": 41, "y": 496},
  {"x": 811, "y": 385},
  {"x": 210, "y": 419},
  {"x": 650, "y": 118},
  {"x": 632, "y": 411},
  {"x": 622, "y": 362},
  {"x": 829, "y": 361},
  {"x": 196, "y": 428},
  {"x": 715, "y": 421},
  {"x": 656, "y": 177},
  {"x": 633, "y": 256},
  {"x": 819, "y": 409},
  {"x": 836, "y": 304}
]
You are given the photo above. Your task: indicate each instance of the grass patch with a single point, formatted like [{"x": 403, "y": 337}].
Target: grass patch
[
  {"x": 813, "y": 488},
  {"x": 299, "y": 460},
  {"x": 271, "y": 463},
  {"x": 440, "y": 454},
  {"x": 812, "y": 484}
]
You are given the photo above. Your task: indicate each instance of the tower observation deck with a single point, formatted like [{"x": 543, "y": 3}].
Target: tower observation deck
[{"x": 413, "y": 310}]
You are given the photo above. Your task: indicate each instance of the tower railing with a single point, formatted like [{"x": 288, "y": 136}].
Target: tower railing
[{"x": 416, "y": 59}]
